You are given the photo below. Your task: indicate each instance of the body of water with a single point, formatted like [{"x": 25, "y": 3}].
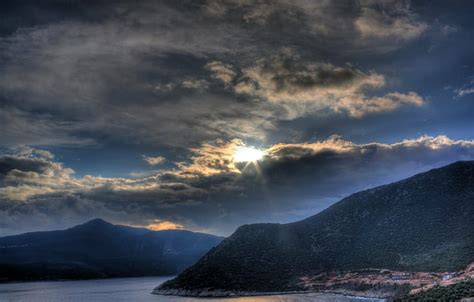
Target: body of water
[{"x": 130, "y": 289}]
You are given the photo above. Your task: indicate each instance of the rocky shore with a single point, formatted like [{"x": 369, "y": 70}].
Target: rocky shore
[
  {"x": 205, "y": 293},
  {"x": 367, "y": 283}
]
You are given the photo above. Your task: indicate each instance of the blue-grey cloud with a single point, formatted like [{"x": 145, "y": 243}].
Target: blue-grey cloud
[{"x": 213, "y": 192}]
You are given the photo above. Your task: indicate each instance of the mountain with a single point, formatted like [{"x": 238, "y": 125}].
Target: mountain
[
  {"x": 423, "y": 223},
  {"x": 98, "y": 249}
]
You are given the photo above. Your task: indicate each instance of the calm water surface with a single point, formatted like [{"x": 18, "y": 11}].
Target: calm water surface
[{"x": 129, "y": 289}]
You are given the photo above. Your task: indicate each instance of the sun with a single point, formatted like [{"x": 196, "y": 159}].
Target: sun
[{"x": 247, "y": 154}]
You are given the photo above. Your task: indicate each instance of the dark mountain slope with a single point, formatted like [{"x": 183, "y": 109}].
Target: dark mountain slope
[
  {"x": 100, "y": 249},
  {"x": 423, "y": 223}
]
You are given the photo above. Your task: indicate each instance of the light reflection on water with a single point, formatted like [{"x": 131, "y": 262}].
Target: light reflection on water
[{"x": 130, "y": 289}]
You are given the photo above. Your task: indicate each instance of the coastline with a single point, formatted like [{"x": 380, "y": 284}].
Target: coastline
[
  {"x": 237, "y": 294},
  {"x": 379, "y": 284}
]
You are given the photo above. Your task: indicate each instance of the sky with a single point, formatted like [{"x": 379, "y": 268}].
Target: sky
[{"x": 209, "y": 114}]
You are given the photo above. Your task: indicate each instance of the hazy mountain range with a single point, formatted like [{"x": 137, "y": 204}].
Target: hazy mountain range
[
  {"x": 423, "y": 223},
  {"x": 98, "y": 249}
]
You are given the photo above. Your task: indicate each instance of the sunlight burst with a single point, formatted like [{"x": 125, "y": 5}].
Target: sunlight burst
[{"x": 248, "y": 154}]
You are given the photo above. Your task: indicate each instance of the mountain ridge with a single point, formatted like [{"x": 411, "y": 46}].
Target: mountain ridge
[
  {"x": 99, "y": 249},
  {"x": 421, "y": 223}
]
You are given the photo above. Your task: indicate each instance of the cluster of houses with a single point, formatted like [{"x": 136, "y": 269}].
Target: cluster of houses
[
  {"x": 398, "y": 276},
  {"x": 418, "y": 281}
]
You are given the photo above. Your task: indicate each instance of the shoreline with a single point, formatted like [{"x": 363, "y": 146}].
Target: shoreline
[
  {"x": 380, "y": 284},
  {"x": 239, "y": 294}
]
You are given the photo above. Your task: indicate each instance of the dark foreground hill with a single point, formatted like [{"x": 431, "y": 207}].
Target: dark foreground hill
[
  {"x": 454, "y": 292},
  {"x": 423, "y": 223},
  {"x": 98, "y": 249}
]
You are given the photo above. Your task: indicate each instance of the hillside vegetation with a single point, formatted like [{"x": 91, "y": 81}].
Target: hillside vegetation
[{"x": 453, "y": 292}]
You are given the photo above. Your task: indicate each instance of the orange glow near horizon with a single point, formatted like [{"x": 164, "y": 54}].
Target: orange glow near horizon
[{"x": 162, "y": 225}]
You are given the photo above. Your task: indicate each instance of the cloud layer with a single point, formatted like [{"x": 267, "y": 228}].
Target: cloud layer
[
  {"x": 389, "y": 20},
  {"x": 211, "y": 191},
  {"x": 142, "y": 72},
  {"x": 306, "y": 87}
]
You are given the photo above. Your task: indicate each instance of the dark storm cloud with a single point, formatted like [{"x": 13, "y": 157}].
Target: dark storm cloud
[
  {"x": 77, "y": 78},
  {"x": 74, "y": 74},
  {"x": 8, "y": 163},
  {"x": 212, "y": 192},
  {"x": 25, "y": 159}
]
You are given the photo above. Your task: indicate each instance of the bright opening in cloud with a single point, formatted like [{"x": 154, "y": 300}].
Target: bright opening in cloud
[
  {"x": 247, "y": 154},
  {"x": 160, "y": 225}
]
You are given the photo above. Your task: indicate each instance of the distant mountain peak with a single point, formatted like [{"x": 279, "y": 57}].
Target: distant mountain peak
[
  {"x": 98, "y": 249},
  {"x": 94, "y": 223},
  {"x": 98, "y": 221}
]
